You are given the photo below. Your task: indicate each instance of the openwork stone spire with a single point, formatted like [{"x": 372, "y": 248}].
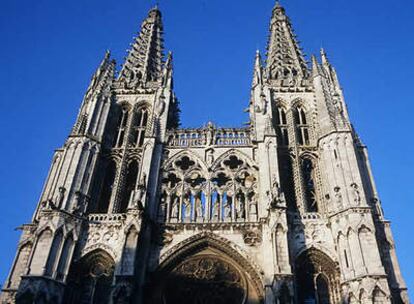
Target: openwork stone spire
[
  {"x": 285, "y": 60},
  {"x": 145, "y": 58}
]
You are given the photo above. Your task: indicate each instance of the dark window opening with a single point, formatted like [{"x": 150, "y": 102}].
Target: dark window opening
[
  {"x": 122, "y": 124},
  {"x": 130, "y": 183},
  {"x": 138, "y": 127},
  {"x": 302, "y": 128},
  {"x": 107, "y": 187},
  {"x": 309, "y": 185}
]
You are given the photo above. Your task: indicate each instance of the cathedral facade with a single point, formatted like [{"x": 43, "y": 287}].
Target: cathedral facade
[{"x": 136, "y": 209}]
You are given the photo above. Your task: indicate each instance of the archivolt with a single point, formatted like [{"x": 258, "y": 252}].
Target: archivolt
[{"x": 206, "y": 240}]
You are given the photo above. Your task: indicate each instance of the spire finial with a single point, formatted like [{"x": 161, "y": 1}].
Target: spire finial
[
  {"x": 107, "y": 54},
  {"x": 278, "y": 5}
]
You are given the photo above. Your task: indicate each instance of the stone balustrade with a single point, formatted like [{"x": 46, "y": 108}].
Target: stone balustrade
[
  {"x": 100, "y": 217},
  {"x": 208, "y": 136}
]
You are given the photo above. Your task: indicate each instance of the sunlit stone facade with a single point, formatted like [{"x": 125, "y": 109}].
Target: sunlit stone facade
[{"x": 136, "y": 209}]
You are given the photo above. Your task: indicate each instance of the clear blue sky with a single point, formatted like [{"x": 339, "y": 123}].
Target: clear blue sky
[{"x": 49, "y": 50}]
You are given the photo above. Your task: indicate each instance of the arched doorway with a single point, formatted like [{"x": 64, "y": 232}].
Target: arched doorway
[
  {"x": 317, "y": 278},
  {"x": 205, "y": 273},
  {"x": 205, "y": 278},
  {"x": 90, "y": 279}
]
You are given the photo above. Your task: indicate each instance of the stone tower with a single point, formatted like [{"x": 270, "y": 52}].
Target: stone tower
[{"x": 138, "y": 210}]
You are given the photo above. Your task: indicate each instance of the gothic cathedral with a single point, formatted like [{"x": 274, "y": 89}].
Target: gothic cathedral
[{"x": 136, "y": 209}]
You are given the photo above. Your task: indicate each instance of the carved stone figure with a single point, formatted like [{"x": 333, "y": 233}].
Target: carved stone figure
[
  {"x": 252, "y": 237},
  {"x": 60, "y": 197},
  {"x": 175, "y": 208},
  {"x": 198, "y": 209},
  {"x": 187, "y": 209},
  {"x": 356, "y": 194},
  {"x": 210, "y": 134},
  {"x": 338, "y": 197},
  {"x": 227, "y": 211},
  {"x": 138, "y": 195},
  {"x": 80, "y": 204},
  {"x": 240, "y": 208}
]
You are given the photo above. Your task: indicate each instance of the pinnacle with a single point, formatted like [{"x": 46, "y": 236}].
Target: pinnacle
[
  {"x": 107, "y": 54},
  {"x": 278, "y": 6},
  {"x": 324, "y": 57}
]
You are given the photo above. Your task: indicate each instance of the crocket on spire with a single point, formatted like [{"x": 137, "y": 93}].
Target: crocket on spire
[
  {"x": 284, "y": 56},
  {"x": 145, "y": 58}
]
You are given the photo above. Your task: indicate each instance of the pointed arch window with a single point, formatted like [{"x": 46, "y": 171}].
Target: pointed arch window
[
  {"x": 121, "y": 129},
  {"x": 287, "y": 181},
  {"x": 281, "y": 126},
  {"x": 138, "y": 127},
  {"x": 130, "y": 184},
  {"x": 302, "y": 127},
  {"x": 40, "y": 255},
  {"x": 90, "y": 279},
  {"x": 308, "y": 175},
  {"x": 107, "y": 188},
  {"x": 317, "y": 278}
]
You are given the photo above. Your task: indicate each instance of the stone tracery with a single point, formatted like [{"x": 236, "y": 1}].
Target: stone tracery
[{"x": 190, "y": 193}]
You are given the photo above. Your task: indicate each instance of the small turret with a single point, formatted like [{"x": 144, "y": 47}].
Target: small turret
[
  {"x": 97, "y": 92},
  {"x": 258, "y": 70},
  {"x": 315, "y": 66}
]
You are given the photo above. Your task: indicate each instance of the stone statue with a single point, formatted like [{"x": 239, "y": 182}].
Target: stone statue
[
  {"x": 269, "y": 203},
  {"x": 215, "y": 210},
  {"x": 275, "y": 188},
  {"x": 210, "y": 134},
  {"x": 137, "y": 196},
  {"x": 79, "y": 206},
  {"x": 239, "y": 208},
  {"x": 48, "y": 205},
  {"x": 338, "y": 197},
  {"x": 227, "y": 210},
  {"x": 175, "y": 208},
  {"x": 356, "y": 194},
  {"x": 187, "y": 206},
  {"x": 198, "y": 209},
  {"x": 60, "y": 197},
  {"x": 274, "y": 196}
]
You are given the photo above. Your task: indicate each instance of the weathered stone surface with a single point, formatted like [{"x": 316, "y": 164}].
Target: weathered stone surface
[{"x": 137, "y": 210}]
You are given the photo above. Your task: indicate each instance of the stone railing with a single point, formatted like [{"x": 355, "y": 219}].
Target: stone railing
[
  {"x": 307, "y": 216},
  {"x": 208, "y": 136},
  {"x": 101, "y": 217}
]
